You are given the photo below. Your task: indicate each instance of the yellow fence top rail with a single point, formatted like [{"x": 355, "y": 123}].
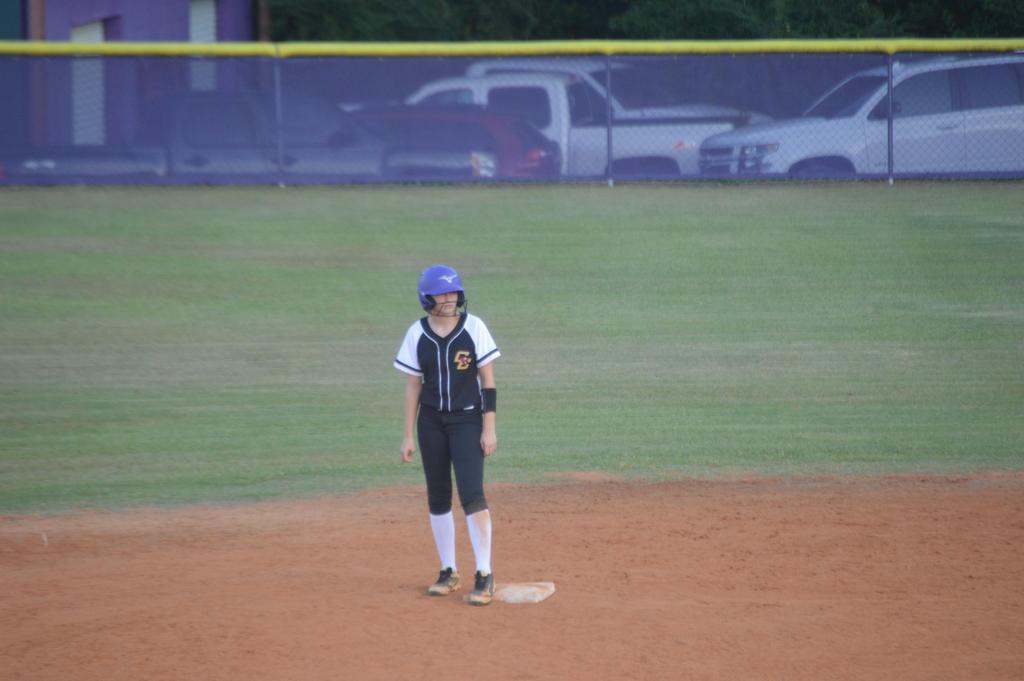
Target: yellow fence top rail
[
  {"x": 560, "y": 47},
  {"x": 611, "y": 47}
]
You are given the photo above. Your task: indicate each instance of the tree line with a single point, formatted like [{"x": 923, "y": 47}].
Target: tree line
[{"x": 473, "y": 20}]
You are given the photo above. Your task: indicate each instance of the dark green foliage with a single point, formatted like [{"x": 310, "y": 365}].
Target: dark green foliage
[
  {"x": 465, "y": 20},
  {"x": 385, "y": 20},
  {"x": 691, "y": 19}
]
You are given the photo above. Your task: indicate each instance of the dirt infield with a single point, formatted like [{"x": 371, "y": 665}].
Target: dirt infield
[{"x": 901, "y": 578}]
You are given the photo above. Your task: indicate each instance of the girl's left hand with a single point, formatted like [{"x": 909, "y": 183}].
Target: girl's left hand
[{"x": 488, "y": 441}]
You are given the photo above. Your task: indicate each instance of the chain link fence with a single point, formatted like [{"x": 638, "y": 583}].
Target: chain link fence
[{"x": 335, "y": 119}]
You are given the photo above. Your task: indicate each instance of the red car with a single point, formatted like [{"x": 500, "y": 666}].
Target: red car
[{"x": 459, "y": 143}]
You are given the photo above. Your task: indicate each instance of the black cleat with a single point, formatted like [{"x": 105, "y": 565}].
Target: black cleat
[
  {"x": 447, "y": 582},
  {"x": 483, "y": 589}
]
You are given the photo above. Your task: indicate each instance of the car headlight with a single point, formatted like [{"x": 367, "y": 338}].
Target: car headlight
[{"x": 758, "y": 149}]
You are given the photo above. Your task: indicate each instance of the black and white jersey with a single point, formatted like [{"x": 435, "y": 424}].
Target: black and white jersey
[{"x": 448, "y": 364}]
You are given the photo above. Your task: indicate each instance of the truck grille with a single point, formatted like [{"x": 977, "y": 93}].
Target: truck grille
[
  {"x": 716, "y": 152},
  {"x": 717, "y": 161}
]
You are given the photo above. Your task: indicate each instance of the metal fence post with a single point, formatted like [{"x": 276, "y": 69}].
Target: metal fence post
[
  {"x": 608, "y": 117},
  {"x": 277, "y": 121},
  {"x": 889, "y": 144}
]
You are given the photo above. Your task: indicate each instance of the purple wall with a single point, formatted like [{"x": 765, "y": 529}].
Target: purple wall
[
  {"x": 147, "y": 20},
  {"x": 128, "y": 81},
  {"x": 236, "y": 21}
]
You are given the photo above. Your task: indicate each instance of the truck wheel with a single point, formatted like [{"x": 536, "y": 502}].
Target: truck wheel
[
  {"x": 644, "y": 168},
  {"x": 823, "y": 169}
]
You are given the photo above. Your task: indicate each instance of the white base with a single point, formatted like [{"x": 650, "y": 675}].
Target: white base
[{"x": 524, "y": 592}]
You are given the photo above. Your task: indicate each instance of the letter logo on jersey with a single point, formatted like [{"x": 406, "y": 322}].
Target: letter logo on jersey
[{"x": 463, "y": 360}]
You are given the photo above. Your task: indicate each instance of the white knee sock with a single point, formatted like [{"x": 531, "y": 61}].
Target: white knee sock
[
  {"x": 479, "y": 525},
  {"x": 444, "y": 538}
]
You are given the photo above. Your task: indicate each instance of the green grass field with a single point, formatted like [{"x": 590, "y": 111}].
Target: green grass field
[{"x": 181, "y": 345}]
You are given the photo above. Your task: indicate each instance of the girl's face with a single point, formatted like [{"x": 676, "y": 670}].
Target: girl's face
[{"x": 445, "y": 304}]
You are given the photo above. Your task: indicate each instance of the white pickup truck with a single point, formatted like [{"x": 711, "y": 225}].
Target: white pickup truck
[{"x": 568, "y": 108}]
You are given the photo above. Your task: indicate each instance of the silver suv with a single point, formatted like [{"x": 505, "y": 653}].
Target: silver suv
[{"x": 950, "y": 115}]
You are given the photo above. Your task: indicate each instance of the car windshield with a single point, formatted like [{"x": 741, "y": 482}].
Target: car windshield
[
  {"x": 639, "y": 88},
  {"x": 847, "y": 99}
]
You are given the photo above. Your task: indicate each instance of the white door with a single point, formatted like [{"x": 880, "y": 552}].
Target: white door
[
  {"x": 928, "y": 134},
  {"x": 876, "y": 140},
  {"x": 993, "y": 116},
  {"x": 87, "y": 89},
  {"x": 588, "y": 151},
  {"x": 202, "y": 28},
  {"x": 586, "y": 146}
]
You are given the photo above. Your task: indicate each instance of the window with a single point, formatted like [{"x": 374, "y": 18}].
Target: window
[
  {"x": 988, "y": 87},
  {"x": 586, "y": 105},
  {"x": 637, "y": 88},
  {"x": 928, "y": 93},
  {"x": 848, "y": 98},
  {"x": 531, "y": 102},
  {"x": 449, "y": 98},
  {"x": 881, "y": 110}
]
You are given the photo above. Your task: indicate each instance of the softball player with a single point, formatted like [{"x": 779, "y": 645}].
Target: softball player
[{"x": 448, "y": 356}]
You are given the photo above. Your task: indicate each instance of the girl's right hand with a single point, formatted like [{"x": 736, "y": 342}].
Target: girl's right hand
[{"x": 408, "y": 448}]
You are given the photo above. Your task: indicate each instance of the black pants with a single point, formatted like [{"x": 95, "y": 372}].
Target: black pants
[{"x": 447, "y": 440}]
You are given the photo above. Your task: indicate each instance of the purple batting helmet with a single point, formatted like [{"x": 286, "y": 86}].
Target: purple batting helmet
[{"x": 438, "y": 279}]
